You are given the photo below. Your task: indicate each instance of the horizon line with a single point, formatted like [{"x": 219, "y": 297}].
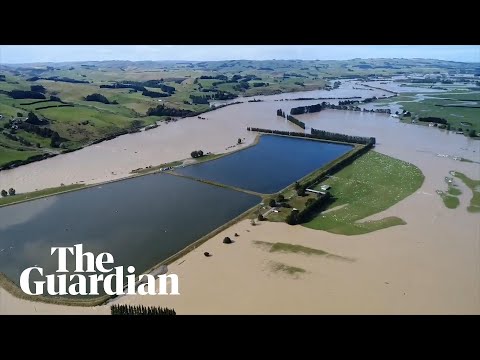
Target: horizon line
[{"x": 206, "y": 61}]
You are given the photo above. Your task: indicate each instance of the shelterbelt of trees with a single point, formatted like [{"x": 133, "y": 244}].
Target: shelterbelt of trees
[
  {"x": 321, "y": 135},
  {"x": 350, "y": 105}
]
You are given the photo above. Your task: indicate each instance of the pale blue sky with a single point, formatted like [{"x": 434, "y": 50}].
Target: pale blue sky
[{"x": 10, "y": 54}]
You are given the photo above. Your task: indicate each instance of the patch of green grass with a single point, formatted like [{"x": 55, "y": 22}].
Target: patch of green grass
[
  {"x": 450, "y": 201},
  {"x": 452, "y": 190},
  {"x": 287, "y": 269},
  {"x": 37, "y": 194},
  {"x": 296, "y": 249},
  {"x": 474, "y": 185},
  {"x": 7, "y": 155},
  {"x": 371, "y": 184},
  {"x": 454, "y": 115}
]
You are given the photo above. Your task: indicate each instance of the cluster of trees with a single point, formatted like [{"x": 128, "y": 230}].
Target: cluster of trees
[
  {"x": 10, "y": 192},
  {"x": 154, "y": 94},
  {"x": 196, "y": 154},
  {"x": 2, "y": 77},
  {"x": 432, "y": 119},
  {"x": 223, "y": 95},
  {"x": 162, "y": 110},
  {"x": 34, "y": 129},
  {"x": 280, "y": 113},
  {"x": 241, "y": 86},
  {"x": 218, "y": 77},
  {"x": 35, "y": 120},
  {"x": 199, "y": 99},
  {"x": 99, "y": 98},
  {"x": 321, "y": 134},
  {"x": 296, "y": 121},
  {"x": 140, "y": 310},
  {"x": 312, "y": 206},
  {"x": 38, "y": 88}
]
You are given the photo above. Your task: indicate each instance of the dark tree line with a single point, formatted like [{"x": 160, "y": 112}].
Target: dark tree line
[
  {"x": 218, "y": 77},
  {"x": 60, "y": 79},
  {"x": 432, "y": 119},
  {"x": 321, "y": 134},
  {"x": 296, "y": 121},
  {"x": 342, "y": 105},
  {"x": 2, "y": 77},
  {"x": 140, "y": 86},
  {"x": 54, "y": 106},
  {"x": 140, "y": 310},
  {"x": 52, "y": 98},
  {"x": 162, "y": 110}
]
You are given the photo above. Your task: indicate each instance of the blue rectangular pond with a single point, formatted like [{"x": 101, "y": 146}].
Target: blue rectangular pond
[{"x": 271, "y": 165}]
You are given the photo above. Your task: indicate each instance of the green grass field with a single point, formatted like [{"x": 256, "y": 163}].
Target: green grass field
[
  {"x": 37, "y": 194},
  {"x": 371, "y": 184},
  {"x": 454, "y": 115},
  {"x": 7, "y": 155},
  {"x": 474, "y": 185}
]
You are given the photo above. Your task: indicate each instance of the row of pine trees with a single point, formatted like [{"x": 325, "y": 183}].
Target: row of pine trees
[{"x": 140, "y": 310}]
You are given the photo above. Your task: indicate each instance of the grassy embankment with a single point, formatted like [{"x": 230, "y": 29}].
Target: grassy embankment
[{"x": 9, "y": 200}]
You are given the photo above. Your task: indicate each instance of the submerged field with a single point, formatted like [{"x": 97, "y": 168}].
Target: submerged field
[
  {"x": 371, "y": 184},
  {"x": 473, "y": 185}
]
